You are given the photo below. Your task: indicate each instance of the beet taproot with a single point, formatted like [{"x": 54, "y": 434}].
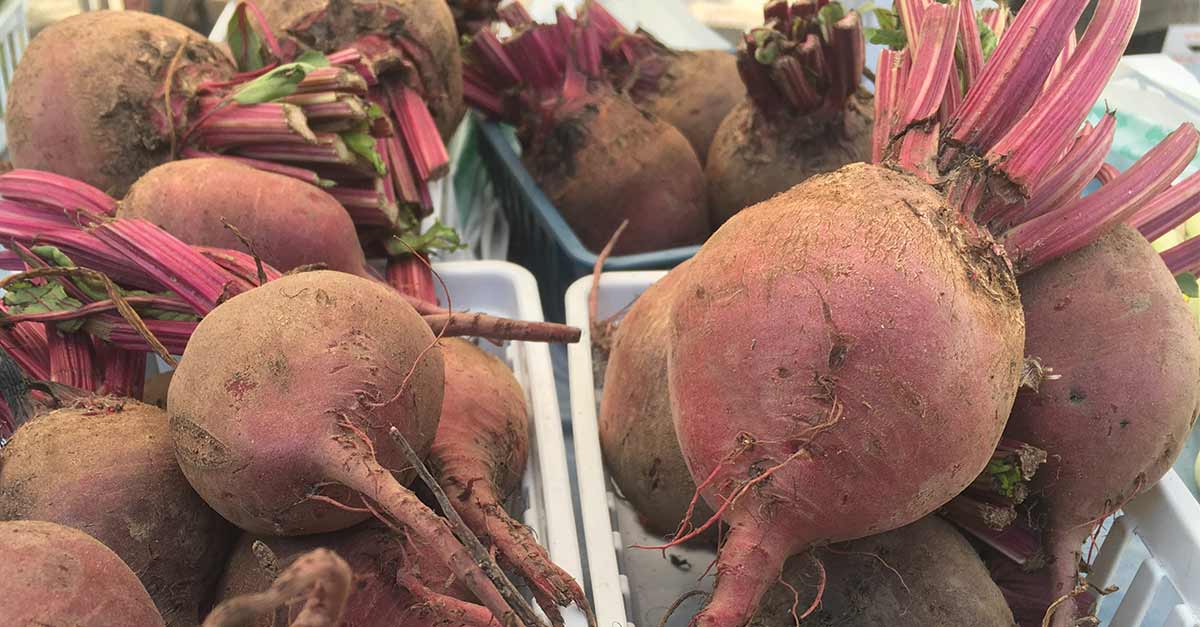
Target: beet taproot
[{"x": 479, "y": 457}]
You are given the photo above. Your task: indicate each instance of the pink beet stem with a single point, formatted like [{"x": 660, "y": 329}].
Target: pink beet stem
[
  {"x": 242, "y": 266},
  {"x": 1014, "y": 75},
  {"x": 263, "y": 28},
  {"x": 26, "y": 343},
  {"x": 175, "y": 265},
  {"x": 412, "y": 276},
  {"x": 173, "y": 334},
  {"x": 891, "y": 76},
  {"x": 1015, "y": 542},
  {"x": 308, "y": 176},
  {"x": 968, "y": 40},
  {"x": 55, "y": 190},
  {"x": 515, "y": 15},
  {"x": 932, "y": 64},
  {"x": 1061, "y": 64},
  {"x": 1073, "y": 226},
  {"x": 1045, "y": 132},
  {"x": 1183, "y": 257},
  {"x": 398, "y": 167},
  {"x": 71, "y": 359},
  {"x": 332, "y": 79},
  {"x": 536, "y": 59},
  {"x": 329, "y": 149},
  {"x": 421, "y": 136},
  {"x": 123, "y": 371},
  {"x": 912, "y": 17},
  {"x": 346, "y": 109},
  {"x": 491, "y": 55},
  {"x": 1169, "y": 209}
]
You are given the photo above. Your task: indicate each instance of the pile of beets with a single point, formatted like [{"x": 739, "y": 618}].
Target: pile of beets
[{"x": 924, "y": 350}]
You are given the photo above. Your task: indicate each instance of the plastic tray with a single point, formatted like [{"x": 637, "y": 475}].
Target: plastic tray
[
  {"x": 505, "y": 289},
  {"x": 539, "y": 238},
  {"x": 634, "y": 587},
  {"x": 14, "y": 35}
]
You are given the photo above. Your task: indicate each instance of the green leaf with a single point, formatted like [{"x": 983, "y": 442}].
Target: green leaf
[
  {"x": 26, "y": 297},
  {"x": 244, "y": 42},
  {"x": 1006, "y": 475},
  {"x": 374, "y": 112},
  {"x": 437, "y": 238},
  {"x": 1187, "y": 284},
  {"x": 888, "y": 19},
  {"x": 313, "y": 58},
  {"x": 93, "y": 287},
  {"x": 987, "y": 38},
  {"x": 830, "y": 14},
  {"x": 363, "y": 145},
  {"x": 892, "y": 38},
  {"x": 277, "y": 83}
]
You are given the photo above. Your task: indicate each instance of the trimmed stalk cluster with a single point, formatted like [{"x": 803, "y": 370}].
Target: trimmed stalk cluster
[
  {"x": 538, "y": 67},
  {"x": 1008, "y": 139},
  {"x": 806, "y": 58},
  {"x": 342, "y": 122}
]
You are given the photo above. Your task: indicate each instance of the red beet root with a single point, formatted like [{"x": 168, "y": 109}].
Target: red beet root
[
  {"x": 479, "y": 457},
  {"x": 282, "y": 405},
  {"x": 55, "y": 575},
  {"x": 1125, "y": 353},
  {"x": 109, "y": 469}
]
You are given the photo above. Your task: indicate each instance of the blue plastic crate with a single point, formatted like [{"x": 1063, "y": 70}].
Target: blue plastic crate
[{"x": 539, "y": 238}]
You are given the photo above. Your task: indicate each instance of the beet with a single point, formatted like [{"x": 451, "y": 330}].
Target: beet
[
  {"x": 479, "y": 457},
  {"x": 637, "y": 434},
  {"x": 804, "y": 113},
  {"x": 375, "y": 553},
  {"x": 695, "y": 93},
  {"x": 754, "y": 156},
  {"x": 107, "y": 467},
  {"x": 288, "y": 222},
  {"x": 856, "y": 403},
  {"x": 282, "y": 405},
  {"x": 602, "y": 143},
  {"x": 86, "y": 99},
  {"x": 55, "y": 575},
  {"x": 597, "y": 157},
  {"x": 1125, "y": 353},
  {"x": 919, "y": 575}
]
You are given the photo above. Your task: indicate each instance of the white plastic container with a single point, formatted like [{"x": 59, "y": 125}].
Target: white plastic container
[
  {"x": 14, "y": 36},
  {"x": 504, "y": 289},
  {"x": 634, "y": 587}
]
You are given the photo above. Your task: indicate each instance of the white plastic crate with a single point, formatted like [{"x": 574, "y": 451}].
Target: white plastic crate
[
  {"x": 14, "y": 35},
  {"x": 634, "y": 587},
  {"x": 504, "y": 289}
]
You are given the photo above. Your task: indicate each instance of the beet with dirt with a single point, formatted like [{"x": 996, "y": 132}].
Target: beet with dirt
[
  {"x": 107, "y": 467},
  {"x": 56, "y": 575},
  {"x": 87, "y": 97}
]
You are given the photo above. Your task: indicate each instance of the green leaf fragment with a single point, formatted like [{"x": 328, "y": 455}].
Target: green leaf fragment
[
  {"x": 244, "y": 42},
  {"x": 831, "y": 14},
  {"x": 892, "y": 38},
  {"x": 313, "y": 58},
  {"x": 279, "y": 82},
  {"x": 437, "y": 238},
  {"x": 1006, "y": 476},
  {"x": 363, "y": 145},
  {"x": 987, "y": 38},
  {"x": 1188, "y": 285}
]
